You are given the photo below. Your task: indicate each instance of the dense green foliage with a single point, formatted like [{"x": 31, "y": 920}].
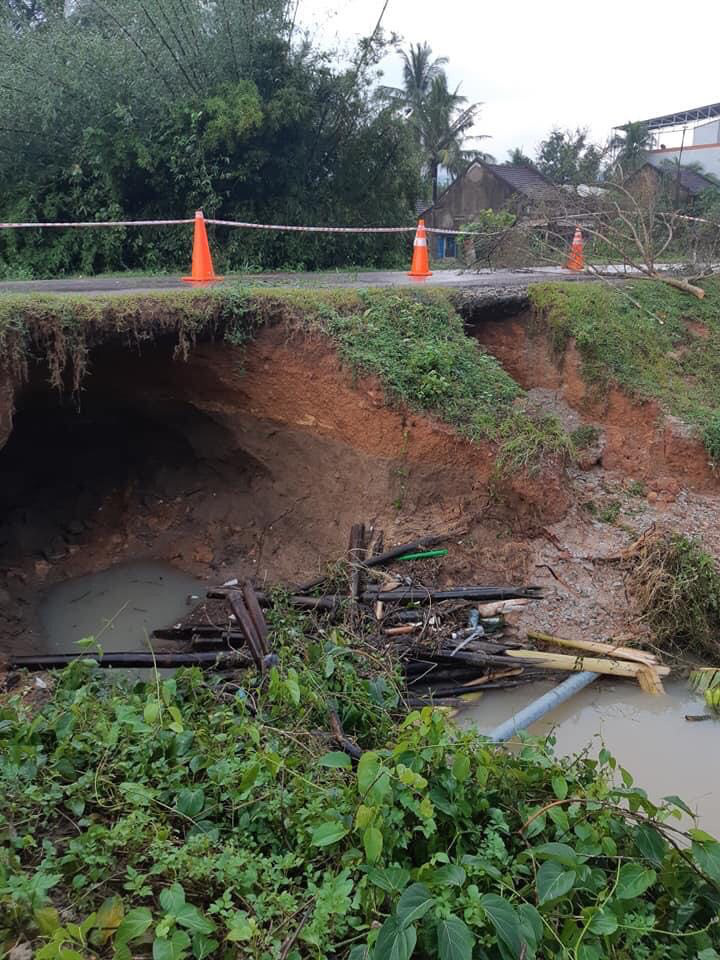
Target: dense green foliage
[
  {"x": 189, "y": 817},
  {"x": 656, "y": 342},
  {"x": 133, "y": 110},
  {"x": 421, "y": 353}
]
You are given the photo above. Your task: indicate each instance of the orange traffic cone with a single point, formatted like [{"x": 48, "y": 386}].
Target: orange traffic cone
[
  {"x": 576, "y": 260},
  {"x": 202, "y": 265},
  {"x": 420, "y": 267}
]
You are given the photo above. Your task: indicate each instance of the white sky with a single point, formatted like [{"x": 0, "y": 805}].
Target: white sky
[{"x": 536, "y": 64}]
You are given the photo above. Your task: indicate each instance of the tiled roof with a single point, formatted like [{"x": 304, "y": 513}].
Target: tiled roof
[
  {"x": 523, "y": 179},
  {"x": 690, "y": 180},
  {"x": 694, "y": 182}
]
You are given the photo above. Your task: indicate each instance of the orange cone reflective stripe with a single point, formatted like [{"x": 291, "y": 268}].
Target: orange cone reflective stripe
[
  {"x": 576, "y": 259},
  {"x": 420, "y": 267},
  {"x": 202, "y": 265}
]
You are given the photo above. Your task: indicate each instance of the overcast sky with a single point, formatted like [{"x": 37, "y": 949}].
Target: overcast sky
[{"x": 536, "y": 64}]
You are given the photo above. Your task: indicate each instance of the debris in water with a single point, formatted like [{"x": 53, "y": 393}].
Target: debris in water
[{"x": 450, "y": 642}]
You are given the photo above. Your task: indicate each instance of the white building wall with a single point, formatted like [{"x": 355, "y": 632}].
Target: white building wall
[
  {"x": 707, "y": 133},
  {"x": 707, "y": 156}
]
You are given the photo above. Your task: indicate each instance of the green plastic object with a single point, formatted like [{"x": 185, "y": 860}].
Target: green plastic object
[{"x": 424, "y": 555}]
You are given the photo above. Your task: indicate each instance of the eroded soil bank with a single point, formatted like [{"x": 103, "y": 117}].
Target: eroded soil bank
[
  {"x": 638, "y": 439},
  {"x": 239, "y": 460},
  {"x": 256, "y": 460}
]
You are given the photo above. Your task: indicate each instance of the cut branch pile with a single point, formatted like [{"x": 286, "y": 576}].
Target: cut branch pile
[{"x": 450, "y": 642}]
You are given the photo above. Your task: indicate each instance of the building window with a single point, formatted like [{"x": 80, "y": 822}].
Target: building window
[{"x": 446, "y": 246}]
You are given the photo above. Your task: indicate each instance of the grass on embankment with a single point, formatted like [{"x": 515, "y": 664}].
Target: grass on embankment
[
  {"x": 655, "y": 342},
  {"x": 413, "y": 342}
]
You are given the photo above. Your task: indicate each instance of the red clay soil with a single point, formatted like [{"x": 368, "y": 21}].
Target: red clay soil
[
  {"x": 276, "y": 450},
  {"x": 285, "y": 450},
  {"x": 640, "y": 440}
]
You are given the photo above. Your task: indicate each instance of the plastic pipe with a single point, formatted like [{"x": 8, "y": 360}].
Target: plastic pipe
[{"x": 538, "y": 708}]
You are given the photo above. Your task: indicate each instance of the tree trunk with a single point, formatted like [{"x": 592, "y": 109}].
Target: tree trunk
[{"x": 434, "y": 174}]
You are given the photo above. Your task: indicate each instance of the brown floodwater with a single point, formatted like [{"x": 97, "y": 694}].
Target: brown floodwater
[
  {"x": 121, "y": 606},
  {"x": 649, "y": 736}
]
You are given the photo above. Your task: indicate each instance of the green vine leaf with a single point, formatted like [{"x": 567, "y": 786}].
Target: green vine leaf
[
  {"x": 395, "y": 941},
  {"x": 455, "y": 939},
  {"x": 553, "y": 881}
]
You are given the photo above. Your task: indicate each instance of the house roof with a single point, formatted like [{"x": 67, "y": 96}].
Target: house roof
[
  {"x": 690, "y": 180},
  {"x": 523, "y": 179},
  {"x": 694, "y": 182}
]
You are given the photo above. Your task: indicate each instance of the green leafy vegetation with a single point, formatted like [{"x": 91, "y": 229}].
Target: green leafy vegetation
[
  {"x": 132, "y": 112},
  {"x": 566, "y": 156},
  {"x": 706, "y": 681},
  {"x": 527, "y": 442},
  {"x": 675, "y": 584},
  {"x": 419, "y": 350},
  {"x": 414, "y": 342},
  {"x": 655, "y": 342},
  {"x": 193, "y": 817}
]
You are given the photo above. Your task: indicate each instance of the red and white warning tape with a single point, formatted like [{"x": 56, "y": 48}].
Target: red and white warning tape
[
  {"x": 270, "y": 226},
  {"x": 229, "y": 223},
  {"x": 97, "y": 223},
  {"x": 300, "y": 229}
]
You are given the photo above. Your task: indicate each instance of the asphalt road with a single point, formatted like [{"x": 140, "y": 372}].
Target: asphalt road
[{"x": 491, "y": 280}]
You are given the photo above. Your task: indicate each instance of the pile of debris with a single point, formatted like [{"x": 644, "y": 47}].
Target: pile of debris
[{"x": 450, "y": 642}]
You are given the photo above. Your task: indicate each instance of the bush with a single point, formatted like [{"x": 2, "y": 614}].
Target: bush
[
  {"x": 585, "y": 436},
  {"x": 676, "y": 586},
  {"x": 420, "y": 351},
  {"x": 189, "y": 817}
]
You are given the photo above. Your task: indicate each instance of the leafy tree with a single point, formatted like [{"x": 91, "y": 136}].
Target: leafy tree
[
  {"x": 142, "y": 110},
  {"x": 567, "y": 157}
]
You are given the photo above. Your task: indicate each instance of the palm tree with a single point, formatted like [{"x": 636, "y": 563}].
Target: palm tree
[
  {"x": 631, "y": 147},
  {"x": 439, "y": 117},
  {"x": 419, "y": 71},
  {"x": 441, "y": 125}
]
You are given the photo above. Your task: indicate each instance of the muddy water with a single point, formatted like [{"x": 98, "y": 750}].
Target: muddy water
[
  {"x": 121, "y": 606},
  {"x": 648, "y": 735}
]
